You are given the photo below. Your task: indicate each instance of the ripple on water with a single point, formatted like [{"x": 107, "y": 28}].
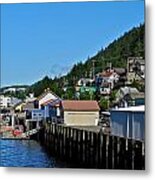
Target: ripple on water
[{"x": 24, "y": 153}]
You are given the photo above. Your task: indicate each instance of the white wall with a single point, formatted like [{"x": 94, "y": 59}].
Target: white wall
[
  {"x": 81, "y": 118},
  {"x": 4, "y": 101}
]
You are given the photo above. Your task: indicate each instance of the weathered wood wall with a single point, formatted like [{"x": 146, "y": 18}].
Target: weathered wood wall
[{"x": 92, "y": 149}]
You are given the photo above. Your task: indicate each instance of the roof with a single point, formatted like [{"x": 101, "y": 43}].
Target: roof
[
  {"x": 140, "y": 61},
  {"x": 119, "y": 70},
  {"x": 106, "y": 74},
  {"x": 28, "y": 99},
  {"x": 28, "y": 106},
  {"x": 54, "y": 102},
  {"x": 131, "y": 109},
  {"x": 18, "y": 104},
  {"x": 129, "y": 90},
  {"x": 80, "y": 105},
  {"x": 137, "y": 95},
  {"x": 45, "y": 93}
]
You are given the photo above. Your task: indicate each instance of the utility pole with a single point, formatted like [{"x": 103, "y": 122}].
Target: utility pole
[{"x": 93, "y": 68}]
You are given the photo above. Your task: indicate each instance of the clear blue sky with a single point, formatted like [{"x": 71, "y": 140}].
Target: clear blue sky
[{"x": 47, "y": 39}]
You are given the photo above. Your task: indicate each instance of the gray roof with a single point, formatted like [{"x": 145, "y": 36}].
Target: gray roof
[
  {"x": 123, "y": 91},
  {"x": 137, "y": 95},
  {"x": 119, "y": 70},
  {"x": 129, "y": 90},
  {"x": 28, "y": 106}
]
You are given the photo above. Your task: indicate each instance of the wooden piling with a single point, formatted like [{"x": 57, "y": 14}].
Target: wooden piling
[{"x": 93, "y": 149}]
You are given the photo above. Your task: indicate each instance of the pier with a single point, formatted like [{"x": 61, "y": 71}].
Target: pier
[{"x": 89, "y": 147}]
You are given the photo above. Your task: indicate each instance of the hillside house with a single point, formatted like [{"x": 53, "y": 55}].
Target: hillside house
[
  {"x": 85, "y": 85},
  {"x": 85, "y": 82},
  {"x": 129, "y": 96},
  {"x": 106, "y": 80},
  {"x": 122, "y": 72},
  {"x": 135, "y": 69}
]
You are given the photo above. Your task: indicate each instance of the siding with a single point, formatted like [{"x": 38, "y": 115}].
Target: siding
[
  {"x": 81, "y": 118},
  {"x": 135, "y": 124}
]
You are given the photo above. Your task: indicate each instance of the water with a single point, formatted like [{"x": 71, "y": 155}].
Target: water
[{"x": 24, "y": 153}]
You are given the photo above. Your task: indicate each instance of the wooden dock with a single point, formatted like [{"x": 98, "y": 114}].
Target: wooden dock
[{"x": 89, "y": 147}]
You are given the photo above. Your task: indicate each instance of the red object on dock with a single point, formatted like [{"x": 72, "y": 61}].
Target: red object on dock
[{"x": 16, "y": 132}]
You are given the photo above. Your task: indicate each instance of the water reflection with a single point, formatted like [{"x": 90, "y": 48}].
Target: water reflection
[{"x": 24, "y": 153}]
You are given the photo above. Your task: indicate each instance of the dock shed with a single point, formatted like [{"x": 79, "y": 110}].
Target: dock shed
[
  {"x": 80, "y": 113},
  {"x": 128, "y": 122}
]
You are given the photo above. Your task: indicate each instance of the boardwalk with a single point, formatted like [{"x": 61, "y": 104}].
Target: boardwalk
[{"x": 89, "y": 147}]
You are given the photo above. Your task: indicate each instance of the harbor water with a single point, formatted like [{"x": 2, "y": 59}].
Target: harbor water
[{"x": 25, "y": 153}]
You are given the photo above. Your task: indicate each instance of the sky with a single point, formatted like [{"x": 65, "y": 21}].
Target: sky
[{"x": 49, "y": 38}]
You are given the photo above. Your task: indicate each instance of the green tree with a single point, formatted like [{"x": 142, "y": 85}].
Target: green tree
[{"x": 104, "y": 103}]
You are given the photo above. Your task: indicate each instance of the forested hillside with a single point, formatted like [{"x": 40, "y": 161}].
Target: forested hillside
[{"x": 130, "y": 44}]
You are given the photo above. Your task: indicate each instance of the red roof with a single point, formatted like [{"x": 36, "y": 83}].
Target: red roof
[
  {"x": 80, "y": 105},
  {"x": 106, "y": 74}
]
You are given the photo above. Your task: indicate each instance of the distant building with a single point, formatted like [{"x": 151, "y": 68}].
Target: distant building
[
  {"x": 9, "y": 90},
  {"x": 128, "y": 122},
  {"x": 85, "y": 82},
  {"x": 135, "y": 69},
  {"x": 129, "y": 96},
  {"x": 85, "y": 85},
  {"x": 106, "y": 80},
  {"x": 6, "y": 101},
  {"x": 14, "y": 89},
  {"x": 122, "y": 72}
]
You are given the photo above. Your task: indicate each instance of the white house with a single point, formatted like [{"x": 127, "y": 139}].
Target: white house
[
  {"x": 47, "y": 96},
  {"x": 6, "y": 101},
  {"x": 85, "y": 82}
]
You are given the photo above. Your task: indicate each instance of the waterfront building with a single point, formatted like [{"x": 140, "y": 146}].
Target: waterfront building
[
  {"x": 128, "y": 122},
  {"x": 75, "y": 112},
  {"x": 47, "y": 96}
]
